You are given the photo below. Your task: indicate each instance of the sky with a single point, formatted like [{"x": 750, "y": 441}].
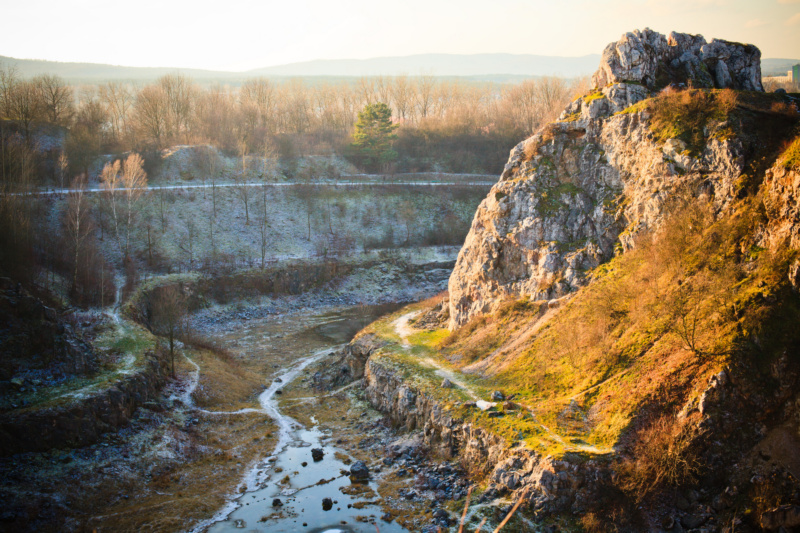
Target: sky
[{"x": 239, "y": 35}]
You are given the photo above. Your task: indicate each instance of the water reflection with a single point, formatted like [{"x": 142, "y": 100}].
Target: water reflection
[{"x": 292, "y": 486}]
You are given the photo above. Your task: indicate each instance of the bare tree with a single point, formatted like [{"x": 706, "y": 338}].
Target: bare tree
[
  {"x": 130, "y": 180},
  {"x": 150, "y": 114},
  {"x": 401, "y": 93},
  {"x": 168, "y": 308},
  {"x": 211, "y": 224},
  {"x": 24, "y": 105},
  {"x": 110, "y": 182},
  {"x": 242, "y": 188},
  {"x": 62, "y": 166},
  {"x": 161, "y": 194},
  {"x": 425, "y": 90},
  {"x": 187, "y": 244},
  {"x": 9, "y": 77},
  {"x": 16, "y": 203},
  {"x": 307, "y": 192},
  {"x": 263, "y": 225},
  {"x": 134, "y": 181},
  {"x": 180, "y": 97},
  {"x": 408, "y": 214},
  {"x": 56, "y": 98},
  {"x": 84, "y": 138},
  {"x": 77, "y": 221},
  {"x": 257, "y": 98},
  {"x": 118, "y": 100}
]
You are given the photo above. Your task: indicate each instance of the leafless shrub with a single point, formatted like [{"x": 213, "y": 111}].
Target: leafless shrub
[{"x": 661, "y": 455}]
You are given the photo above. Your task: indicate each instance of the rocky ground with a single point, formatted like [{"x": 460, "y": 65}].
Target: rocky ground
[
  {"x": 185, "y": 452},
  {"x": 417, "y": 487}
]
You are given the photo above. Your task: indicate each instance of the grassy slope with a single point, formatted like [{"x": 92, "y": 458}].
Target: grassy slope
[{"x": 656, "y": 323}]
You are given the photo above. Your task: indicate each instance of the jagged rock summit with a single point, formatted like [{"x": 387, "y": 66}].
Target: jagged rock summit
[
  {"x": 654, "y": 60},
  {"x": 585, "y": 185}
]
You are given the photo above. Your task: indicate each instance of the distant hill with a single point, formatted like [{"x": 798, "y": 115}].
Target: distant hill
[
  {"x": 441, "y": 65},
  {"x": 486, "y": 67},
  {"x": 97, "y": 72},
  {"x": 494, "y": 67}
]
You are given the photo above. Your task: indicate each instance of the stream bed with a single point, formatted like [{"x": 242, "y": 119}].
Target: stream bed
[{"x": 286, "y": 490}]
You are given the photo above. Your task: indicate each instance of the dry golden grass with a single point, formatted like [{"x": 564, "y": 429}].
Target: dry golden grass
[
  {"x": 225, "y": 385},
  {"x": 177, "y": 497},
  {"x": 655, "y": 323}
]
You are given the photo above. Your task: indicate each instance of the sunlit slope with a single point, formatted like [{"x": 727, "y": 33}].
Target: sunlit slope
[{"x": 706, "y": 291}]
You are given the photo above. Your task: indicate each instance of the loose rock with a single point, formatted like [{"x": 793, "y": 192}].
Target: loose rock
[{"x": 359, "y": 470}]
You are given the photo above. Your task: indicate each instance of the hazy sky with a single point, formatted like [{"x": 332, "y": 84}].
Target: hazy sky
[{"x": 247, "y": 34}]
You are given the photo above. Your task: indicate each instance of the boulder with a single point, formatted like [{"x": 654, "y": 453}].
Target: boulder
[
  {"x": 317, "y": 454},
  {"x": 359, "y": 470},
  {"x": 327, "y": 504}
]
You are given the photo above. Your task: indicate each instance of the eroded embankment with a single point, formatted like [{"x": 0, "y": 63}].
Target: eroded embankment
[
  {"x": 82, "y": 422},
  {"x": 548, "y": 484}
]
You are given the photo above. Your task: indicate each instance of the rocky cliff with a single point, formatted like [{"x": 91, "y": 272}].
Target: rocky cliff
[
  {"x": 548, "y": 484},
  {"x": 655, "y": 60},
  {"x": 664, "y": 204},
  {"x": 585, "y": 185}
]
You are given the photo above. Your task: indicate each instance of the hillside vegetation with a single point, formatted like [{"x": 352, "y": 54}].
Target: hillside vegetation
[{"x": 627, "y": 369}]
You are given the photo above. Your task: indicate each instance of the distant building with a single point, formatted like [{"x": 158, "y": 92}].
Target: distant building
[{"x": 794, "y": 74}]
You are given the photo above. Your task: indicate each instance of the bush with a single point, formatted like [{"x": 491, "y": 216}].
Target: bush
[
  {"x": 790, "y": 159},
  {"x": 661, "y": 455}
]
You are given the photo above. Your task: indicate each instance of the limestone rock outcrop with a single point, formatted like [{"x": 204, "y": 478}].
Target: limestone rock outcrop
[
  {"x": 655, "y": 60},
  {"x": 582, "y": 187},
  {"x": 782, "y": 201}
]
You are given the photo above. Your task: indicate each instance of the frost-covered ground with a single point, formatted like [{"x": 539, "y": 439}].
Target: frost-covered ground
[
  {"x": 183, "y": 229},
  {"x": 411, "y": 275}
]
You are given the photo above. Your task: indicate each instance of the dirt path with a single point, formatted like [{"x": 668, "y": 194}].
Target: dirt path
[{"x": 404, "y": 330}]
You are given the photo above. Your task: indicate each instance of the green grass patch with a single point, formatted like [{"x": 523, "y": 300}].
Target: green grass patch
[
  {"x": 429, "y": 339},
  {"x": 790, "y": 159},
  {"x": 596, "y": 94}
]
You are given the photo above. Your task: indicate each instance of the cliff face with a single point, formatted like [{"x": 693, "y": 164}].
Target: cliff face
[
  {"x": 547, "y": 484},
  {"x": 585, "y": 185}
]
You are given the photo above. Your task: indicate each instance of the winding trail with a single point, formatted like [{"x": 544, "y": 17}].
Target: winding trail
[{"x": 404, "y": 330}]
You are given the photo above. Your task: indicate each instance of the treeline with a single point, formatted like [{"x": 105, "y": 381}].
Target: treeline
[
  {"x": 52, "y": 133},
  {"x": 447, "y": 125}
]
